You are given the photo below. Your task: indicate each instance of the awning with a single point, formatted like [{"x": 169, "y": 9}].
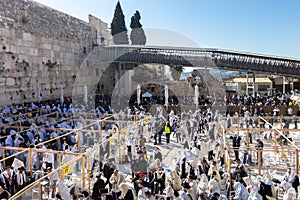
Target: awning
[{"x": 147, "y": 94}]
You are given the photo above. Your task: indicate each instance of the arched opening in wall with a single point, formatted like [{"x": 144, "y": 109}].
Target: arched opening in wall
[
  {"x": 152, "y": 95},
  {"x": 120, "y": 73},
  {"x": 119, "y": 83}
]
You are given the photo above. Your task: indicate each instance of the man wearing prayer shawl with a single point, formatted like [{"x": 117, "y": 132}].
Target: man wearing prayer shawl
[
  {"x": 240, "y": 192},
  {"x": 292, "y": 178}
]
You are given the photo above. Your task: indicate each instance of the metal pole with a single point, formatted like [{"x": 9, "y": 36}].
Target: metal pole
[
  {"x": 119, "y": 76},
  {"x": 247, "y": 84},
  {"x": 253, "y": 84},
  {"x": 283, "y": 85}
]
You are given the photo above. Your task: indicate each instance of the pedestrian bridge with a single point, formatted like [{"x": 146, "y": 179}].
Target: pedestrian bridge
[{"x": 202, "y": 57}]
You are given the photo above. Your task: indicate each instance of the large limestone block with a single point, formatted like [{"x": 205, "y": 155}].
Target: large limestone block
[
  {"x": 5, "y": 32},
  {"x": 19, "y": 42},
  {"x": 10, "y": 81},
  {"x": 2, "y": 82},
  {"x": 47, "y": 46},
  {"x": 27, "y": 36}
]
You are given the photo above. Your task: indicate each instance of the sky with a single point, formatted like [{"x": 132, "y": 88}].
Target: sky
[{"x": 270, "y": 27}]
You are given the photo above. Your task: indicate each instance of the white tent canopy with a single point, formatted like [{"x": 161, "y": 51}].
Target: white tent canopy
[{"x": 147, "y": 94}]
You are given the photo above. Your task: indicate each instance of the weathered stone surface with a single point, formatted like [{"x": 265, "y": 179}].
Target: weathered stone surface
[
  {"x": 27, "y": 36},
  {"x": 10, "y": 81},
  {"x": 42, "y": 46}
]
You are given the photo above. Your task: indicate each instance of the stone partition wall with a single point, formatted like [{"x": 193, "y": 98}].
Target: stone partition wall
[{"x": 40, "y": 48}]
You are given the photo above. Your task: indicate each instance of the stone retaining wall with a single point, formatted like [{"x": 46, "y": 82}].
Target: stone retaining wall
[{"x": 40, "y": 48}]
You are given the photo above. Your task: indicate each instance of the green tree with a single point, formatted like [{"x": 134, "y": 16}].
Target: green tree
[
  {"x": 176, "y": 71},
  {"x": 137, "y": 35},
  {"x": 118, "y": 27}
]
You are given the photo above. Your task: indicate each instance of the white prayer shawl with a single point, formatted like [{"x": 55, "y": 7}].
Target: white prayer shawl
[
  {"x": 240, "y": 192},
  {"x": 214, "y": 186},
  {"x": 131, "y": 142},
  {"x": 125, "y": 187},
  {"x": 203, "y": 184},
  {"x": 63, "y": 190},
  {"x": 141, "y": 193},
  {"x": 254, "y": 195},
  {"x": 286, "y": 185},
  {"x": 4, "y": 175},
  {"x": 169, "y": 191},
  {"x": 192, "y": 193},
  {"x": 290, "y": 177},
  {"x": 184, "y": 195},
  {"x": 17, "y": 164},
  {"x": 49, "y": 158},
  {"x": 290, "y": 194},
  {"x": 193, "y": 185},
  {"x": 21, "y": 178}
]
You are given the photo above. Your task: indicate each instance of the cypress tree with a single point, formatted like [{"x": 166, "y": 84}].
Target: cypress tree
[
  {"x": 137, "y": 35},
  {"x": 118, "y": 27}
]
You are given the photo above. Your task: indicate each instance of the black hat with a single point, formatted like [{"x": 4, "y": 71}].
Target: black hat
[
  {"x": 22, "y": 168},
  {"x": 98, "y": 175},
  {"x": 186, "y": 185}
]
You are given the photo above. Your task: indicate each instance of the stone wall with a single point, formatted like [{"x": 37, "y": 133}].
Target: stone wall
[{"x": 40, "y": 48}]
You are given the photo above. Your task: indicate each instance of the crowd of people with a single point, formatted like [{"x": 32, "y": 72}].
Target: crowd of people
[
  {"x": 200, "y": 172},
  {"x": 258, "y": 99}
]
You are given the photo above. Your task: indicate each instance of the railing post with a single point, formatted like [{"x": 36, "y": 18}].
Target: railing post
[
  {"x": 247, "y": 138},
  {"x": 40, "y": 192},
  {"x": 3, "y": 157},
  {"x": 259, "y": 161},
  {"x": 281, "y": 123},
  {"x": 58, "y": 163},
  {"x": 30, "y": 161},
  {"x": 82, "y": 172},
  {"x": 238, "y": 125},
  {"x": 100, "y": 144},
  {"x": 89, "y": 172},
  {"x": 78, "y": 139},
  {"x": 297, "y": 161},
  {"x": 119, "y": 146},
  {"x": 259, "y": 125}
]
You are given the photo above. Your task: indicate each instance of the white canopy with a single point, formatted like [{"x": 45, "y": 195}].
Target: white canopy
[{"x": 147, "y": 94}]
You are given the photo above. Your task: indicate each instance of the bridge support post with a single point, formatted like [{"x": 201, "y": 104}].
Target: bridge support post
[
  {"x": 119, "y": 77},
  {"x": 283, "y": 84},
  {"x": 250, "y": 83}
]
